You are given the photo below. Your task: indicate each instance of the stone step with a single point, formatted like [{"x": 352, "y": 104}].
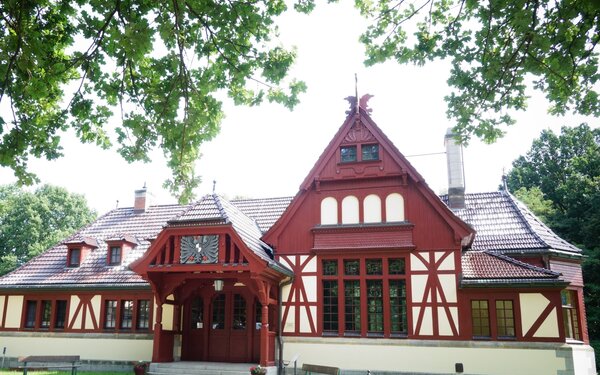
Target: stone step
[{"x": 199, "y": 368}]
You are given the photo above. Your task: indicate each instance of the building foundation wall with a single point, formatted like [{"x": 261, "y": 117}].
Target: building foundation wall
[{"x": 389, "y": 356}]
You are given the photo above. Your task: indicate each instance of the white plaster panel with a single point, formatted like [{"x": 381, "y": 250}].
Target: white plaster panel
[
  {"x": 418, "y": 283},
  {"x": 415, "y": 317},
  {"x": 311, "y": 266},
  {"x": 447, "y": 264},
  {"x": 95, "y": 302},
  {"x": 448, "y": 284},
  {"x": 310, "y": 287},
  {"x": 443, "y": 323},
  {"x": 416, "y": 264},
  {"x": 329, "y": 211},
  {"x": 454, "y": 314},
  {"x": 285, "y": 292},
  {"x": 290, "y": 322},
  {"x": 532, "y": 306},
  {"x": 304, "y": 322},
  {"x": 394, "y": 207},
  {"x": 2, "y": 300},
  {"x": 14, "y": 311},
  {"x": 75, "y": 320},
  {"x": 427, "y": 323},
  {"x": 313, "y": 313},
  {"x": 372, "y": 209},
  {"x": 350, "y": 210},
  {"x": 167, "y": 317},
  {"x": 549, "y": 327},
  {"x": 289, "y": 260}
]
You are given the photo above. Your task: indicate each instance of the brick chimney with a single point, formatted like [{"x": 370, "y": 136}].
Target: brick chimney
[
  {"x": 141, "y": 202},
  {"x": 456, "y": 180}
]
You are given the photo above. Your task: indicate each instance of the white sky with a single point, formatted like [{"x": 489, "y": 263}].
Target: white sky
[{"x": 267, "y": 151}]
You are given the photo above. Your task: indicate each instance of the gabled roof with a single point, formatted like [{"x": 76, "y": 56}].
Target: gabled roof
[
  {"x": 505, "y": 225},
  {"x": 484, "y": 268},
  {"x": 50, "y": 268},
  {"x": 359, "y": 115}
]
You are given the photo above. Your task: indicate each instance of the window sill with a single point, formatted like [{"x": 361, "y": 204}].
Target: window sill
[
  {"x": 351, "y": 334},
  {"x": 399, "y": 335},
  {"x": 507, "y": 338},
  {"x": 573, "y": 341},
  {"x": 482, "y": 338},
  {"x": 330, "y": 334}
]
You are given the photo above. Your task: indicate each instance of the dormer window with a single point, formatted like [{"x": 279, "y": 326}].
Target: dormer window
[
  {"x": 348, "y": 154},
  {"x": 370, "y": 152},
  {"x": 74, "y": 257},
  {"x": 114, "y": 256}
]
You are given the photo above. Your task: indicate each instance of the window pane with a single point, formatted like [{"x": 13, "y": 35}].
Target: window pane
[
  {"x": 396, "y": 266},
  {"x": 479, "y": 318},
  {"x": 398, "y": 306},
  {"x": 197, "y": 313},
  {"x": 505, "y": 318},
  {"x": 115, "y": 255},
  {"x": 61, "y": 314},
  {"x": 218, "y": 312},
  {"x": 351, "y": 267},
  {"x": 352, "y": 305},
  {"x": 330, "y": 305},
  {"x": 348, "y": 154},
  {"x": 570, "y": 315},
  {"x": 239, "y": 312},
  {"x": 126, "y": 314},
  {"x": 30, "y": 314},
  {"x": 74, "y": 257},
  {"x": 374, "y": 267},
  {"x": 370, "y": 152},
  {"x": 46, "y": 314},
  {"x": 330, "y": 267},
  {"x": 143, "y": 314},
  {"x": 110, "y": 314},
  {"x": 375, "y": 305}
]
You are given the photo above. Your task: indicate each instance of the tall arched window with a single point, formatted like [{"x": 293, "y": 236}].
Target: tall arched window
[
  {"x": 372, "y": 209},
  {"x": 394, "y": 207},
  {"x": 329, "y": 211},
  {"x": 350, "y": 210}
]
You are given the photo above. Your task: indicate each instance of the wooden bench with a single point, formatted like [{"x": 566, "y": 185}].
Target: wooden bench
[
  {"x": 318, "y": 369},
  {"x": 50, "y": 362}
]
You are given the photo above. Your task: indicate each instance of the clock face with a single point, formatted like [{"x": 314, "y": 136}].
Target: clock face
[{"x": 199, "y": 249}]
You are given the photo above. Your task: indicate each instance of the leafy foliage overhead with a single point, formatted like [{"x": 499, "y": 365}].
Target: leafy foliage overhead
[
  {"x": 160, "y": 65},
  {"x": 32, "y": 222},
  {"x": 495, "y": 47}
]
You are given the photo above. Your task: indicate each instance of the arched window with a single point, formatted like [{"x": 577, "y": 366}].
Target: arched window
[
  {"x": 372, "y": 209},
  {"x": 350, "y": 210},
  {"x": 394, "y": 207},
  {"x": 329, "y": 211}
]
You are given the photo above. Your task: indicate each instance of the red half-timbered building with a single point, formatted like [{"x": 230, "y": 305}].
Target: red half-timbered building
[{"x": 365, "y": 268}]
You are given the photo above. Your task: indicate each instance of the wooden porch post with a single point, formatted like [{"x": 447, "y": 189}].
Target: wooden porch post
[
  {"x": 157, "y": 333},
  {"x": 264, "y": 335}
]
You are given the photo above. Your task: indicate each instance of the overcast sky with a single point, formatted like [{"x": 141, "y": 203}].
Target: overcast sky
[{"x": 267, "y": 151}]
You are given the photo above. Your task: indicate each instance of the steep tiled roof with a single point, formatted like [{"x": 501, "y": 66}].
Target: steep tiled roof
[
  {"x": 214, "y": 209},
  {"x": 482, "y": 267},
  {"x": 50, "y": 269},
  {"x": 264, "y": 211},
  {"x": 505, "y": 225}
]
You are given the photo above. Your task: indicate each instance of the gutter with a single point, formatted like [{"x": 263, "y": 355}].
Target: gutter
[
  {"x": 62, "y": 287},
  {"x": 282, "y": 284}
]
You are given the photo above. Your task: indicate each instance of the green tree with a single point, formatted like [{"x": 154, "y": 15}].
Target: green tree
[
  {"x": 32, "y": 222},
  {"x": 495, "y": 47},
  {"x": 160, "y": 65},
  {"x": 565, "y": 168}
]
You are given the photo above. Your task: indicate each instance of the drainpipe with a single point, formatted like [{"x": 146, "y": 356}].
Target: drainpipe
[{"x": 282, "y": 284}]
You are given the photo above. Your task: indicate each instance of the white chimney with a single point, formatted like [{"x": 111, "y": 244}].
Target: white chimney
[{"x": 456, "y": 180}]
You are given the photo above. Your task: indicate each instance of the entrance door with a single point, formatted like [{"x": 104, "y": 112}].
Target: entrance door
[{"x": 230, "y": 334}]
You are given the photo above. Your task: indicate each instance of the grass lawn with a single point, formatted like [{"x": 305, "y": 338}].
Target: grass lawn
[{"x": 62, "y": 372}]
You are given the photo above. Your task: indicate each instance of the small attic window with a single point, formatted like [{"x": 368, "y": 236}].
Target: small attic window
[
  {"x": 74, "y": 257},
  {"x": 115, "y": 255},
  {"x": 370, "y": 152},
  {"x": 348, "y": 154}
]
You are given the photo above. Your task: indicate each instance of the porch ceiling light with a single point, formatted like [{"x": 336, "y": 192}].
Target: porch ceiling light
[{"x": 218, "y": 285}]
